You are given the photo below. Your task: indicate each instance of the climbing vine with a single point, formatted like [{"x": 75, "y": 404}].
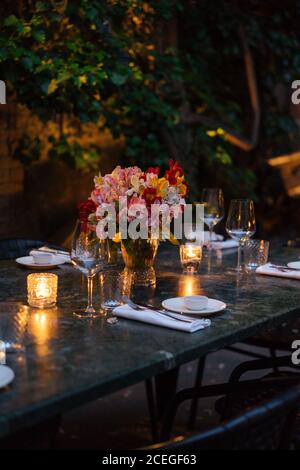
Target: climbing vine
[{"x": 167, "y": 76}]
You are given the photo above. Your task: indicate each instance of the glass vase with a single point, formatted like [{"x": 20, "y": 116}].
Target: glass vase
[{"x": 139, "y": 256}]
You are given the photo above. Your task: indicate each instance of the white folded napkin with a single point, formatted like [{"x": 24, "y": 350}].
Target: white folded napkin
[
  {"x": 268, "y": 271},
  {"x": 154, "y": 318},
  {"x": 215, "y": 237},
  {"x": 62, "y": 254},
  {"x": 224, "y": 245},
  {"x": 190, "y": 234}
]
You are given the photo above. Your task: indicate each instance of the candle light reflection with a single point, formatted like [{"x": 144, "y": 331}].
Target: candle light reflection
[
  {"x": 189, "y": 285},
  {"x": 42, "y": 327},
  {"x": 42, "y": 289}
]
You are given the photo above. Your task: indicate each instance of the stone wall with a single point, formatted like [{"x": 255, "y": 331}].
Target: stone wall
[
  {"x": 40, "y": 201},
  {"x": 11, "y": 173}
]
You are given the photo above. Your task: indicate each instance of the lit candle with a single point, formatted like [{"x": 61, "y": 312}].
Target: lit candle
[
  {"x": 190, "y": 256},
  {"x": 42, "y": 290},
  {"x": 2, "y": 352}
]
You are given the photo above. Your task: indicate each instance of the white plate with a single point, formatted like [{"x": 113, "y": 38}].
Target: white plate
[
  {"x": 176, "y": 304},
  {"x": 28, "y": 261},
  {"x": 294, "y": 265},
  {"x": 7, "y": 375}
]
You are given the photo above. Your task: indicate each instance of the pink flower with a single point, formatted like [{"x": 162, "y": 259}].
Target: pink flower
[
  {"x": 136, "y": 208},
  {"x": 141, "y": 190}
]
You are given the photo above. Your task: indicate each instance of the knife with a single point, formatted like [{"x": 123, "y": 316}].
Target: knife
[{"x": 285, "y": 268}]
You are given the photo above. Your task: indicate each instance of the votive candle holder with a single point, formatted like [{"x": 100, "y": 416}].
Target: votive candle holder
[
  {"x": 42, "y": 290},
  {"x": 190, "y": 257}
]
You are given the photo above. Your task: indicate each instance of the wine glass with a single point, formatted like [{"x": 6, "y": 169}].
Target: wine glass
[
  {"x": 88, "y": 255},
  {"x": 213, "y": 201},
  {"x": 240, "y": 224}
]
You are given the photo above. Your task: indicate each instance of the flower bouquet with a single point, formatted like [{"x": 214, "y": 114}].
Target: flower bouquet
[{"x": 135, "y": 208}]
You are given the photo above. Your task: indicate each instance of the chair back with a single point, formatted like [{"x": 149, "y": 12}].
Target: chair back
[
  {"x": 265, "y": 426},
  {"x": 12, "y": 248}
]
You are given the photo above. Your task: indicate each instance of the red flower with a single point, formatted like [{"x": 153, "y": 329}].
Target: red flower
[
  {"x": 85, "y": 209},
  {"x": 150, "y": 195},
  {"x": 154, "y": 169},
  {"x": 174, "y": 172}
]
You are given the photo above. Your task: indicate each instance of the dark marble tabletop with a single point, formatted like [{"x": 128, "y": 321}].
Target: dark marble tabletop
[{"x": 69, "y": 361}]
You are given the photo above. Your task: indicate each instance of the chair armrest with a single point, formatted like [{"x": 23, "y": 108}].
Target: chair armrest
[
  {"x": 259, "y": 364},
  {"x": 216, "y": 390}
]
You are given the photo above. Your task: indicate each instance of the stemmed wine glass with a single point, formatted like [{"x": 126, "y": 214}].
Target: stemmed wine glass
[
  {"x": 213, "y": 201},
  {"x": 88, "y": 254},
  {"x": 240, "y": 224}
]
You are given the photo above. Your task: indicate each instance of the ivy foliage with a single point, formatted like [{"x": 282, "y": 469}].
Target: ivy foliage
[{"x": 130, "y": 66}]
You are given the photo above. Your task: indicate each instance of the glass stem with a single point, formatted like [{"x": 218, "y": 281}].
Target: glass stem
[
  {"x": 240, "y": 256},
  {"x": 90, "y": 308},
  {"x": 210, "y": 237}
]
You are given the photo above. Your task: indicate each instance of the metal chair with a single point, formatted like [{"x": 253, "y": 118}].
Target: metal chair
[
  {"x": 233, "y": 404},
  {"x": 268, "y": 425},
  {"x": 12, "y": 248},
  {"x": 279, "y": 339}
]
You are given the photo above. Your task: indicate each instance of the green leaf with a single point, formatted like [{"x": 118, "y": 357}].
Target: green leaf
[
  {"x": 44, "y": 86},
  {"x": 63, "y": 76},
  {"x": 39, "y": 36},
  {"x": 40, "y": 6},
  {"x": 11, "y": 20},
  {"x": 27, "y": 62},
  {"x": 118, "y": 79},
  {"x": 3, "y": 53}
]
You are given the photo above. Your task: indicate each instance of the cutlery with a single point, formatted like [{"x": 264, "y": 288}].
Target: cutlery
[
  {"x": 173, "y": 316},
  {"x": 283, "y": 268},
  {"x": 45, "y": 249},
  {"x": 179, "y": 315}
]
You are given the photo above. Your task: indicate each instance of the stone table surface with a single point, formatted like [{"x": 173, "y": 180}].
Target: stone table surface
[{"x": 70, "y": 361}]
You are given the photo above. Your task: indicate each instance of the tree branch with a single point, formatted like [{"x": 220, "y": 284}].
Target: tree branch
[{"x": 230, "y": 135}]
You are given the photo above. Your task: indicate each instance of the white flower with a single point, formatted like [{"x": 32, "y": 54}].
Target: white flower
[{"x": 172, "y": 196}]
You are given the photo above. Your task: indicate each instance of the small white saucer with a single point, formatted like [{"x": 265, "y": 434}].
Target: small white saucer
[
  {"x": 7, "y": 375},
  {"x": 294, "y": 265},
  {"x": 28, "y": 261},
  {"x": 176, "y": 304}
]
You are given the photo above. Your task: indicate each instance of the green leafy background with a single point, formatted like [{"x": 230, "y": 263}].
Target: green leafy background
[{"x": 115, "y": 63}]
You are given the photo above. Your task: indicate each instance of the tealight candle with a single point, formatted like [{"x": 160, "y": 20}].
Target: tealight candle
[
  {"x": 2, "y": 352},
  {"x": 190, "y": 256},
  {"x": 42, "y": 290}
]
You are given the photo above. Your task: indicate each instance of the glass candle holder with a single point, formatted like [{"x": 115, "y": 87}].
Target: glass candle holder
[
  {"x": 256, "y": 253},
  {"x": 111, "y": 289},
  {"x": 42, "y": 290},
  {"x": 190, "y": 257},
  {"x": 2, "y": 352}
]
